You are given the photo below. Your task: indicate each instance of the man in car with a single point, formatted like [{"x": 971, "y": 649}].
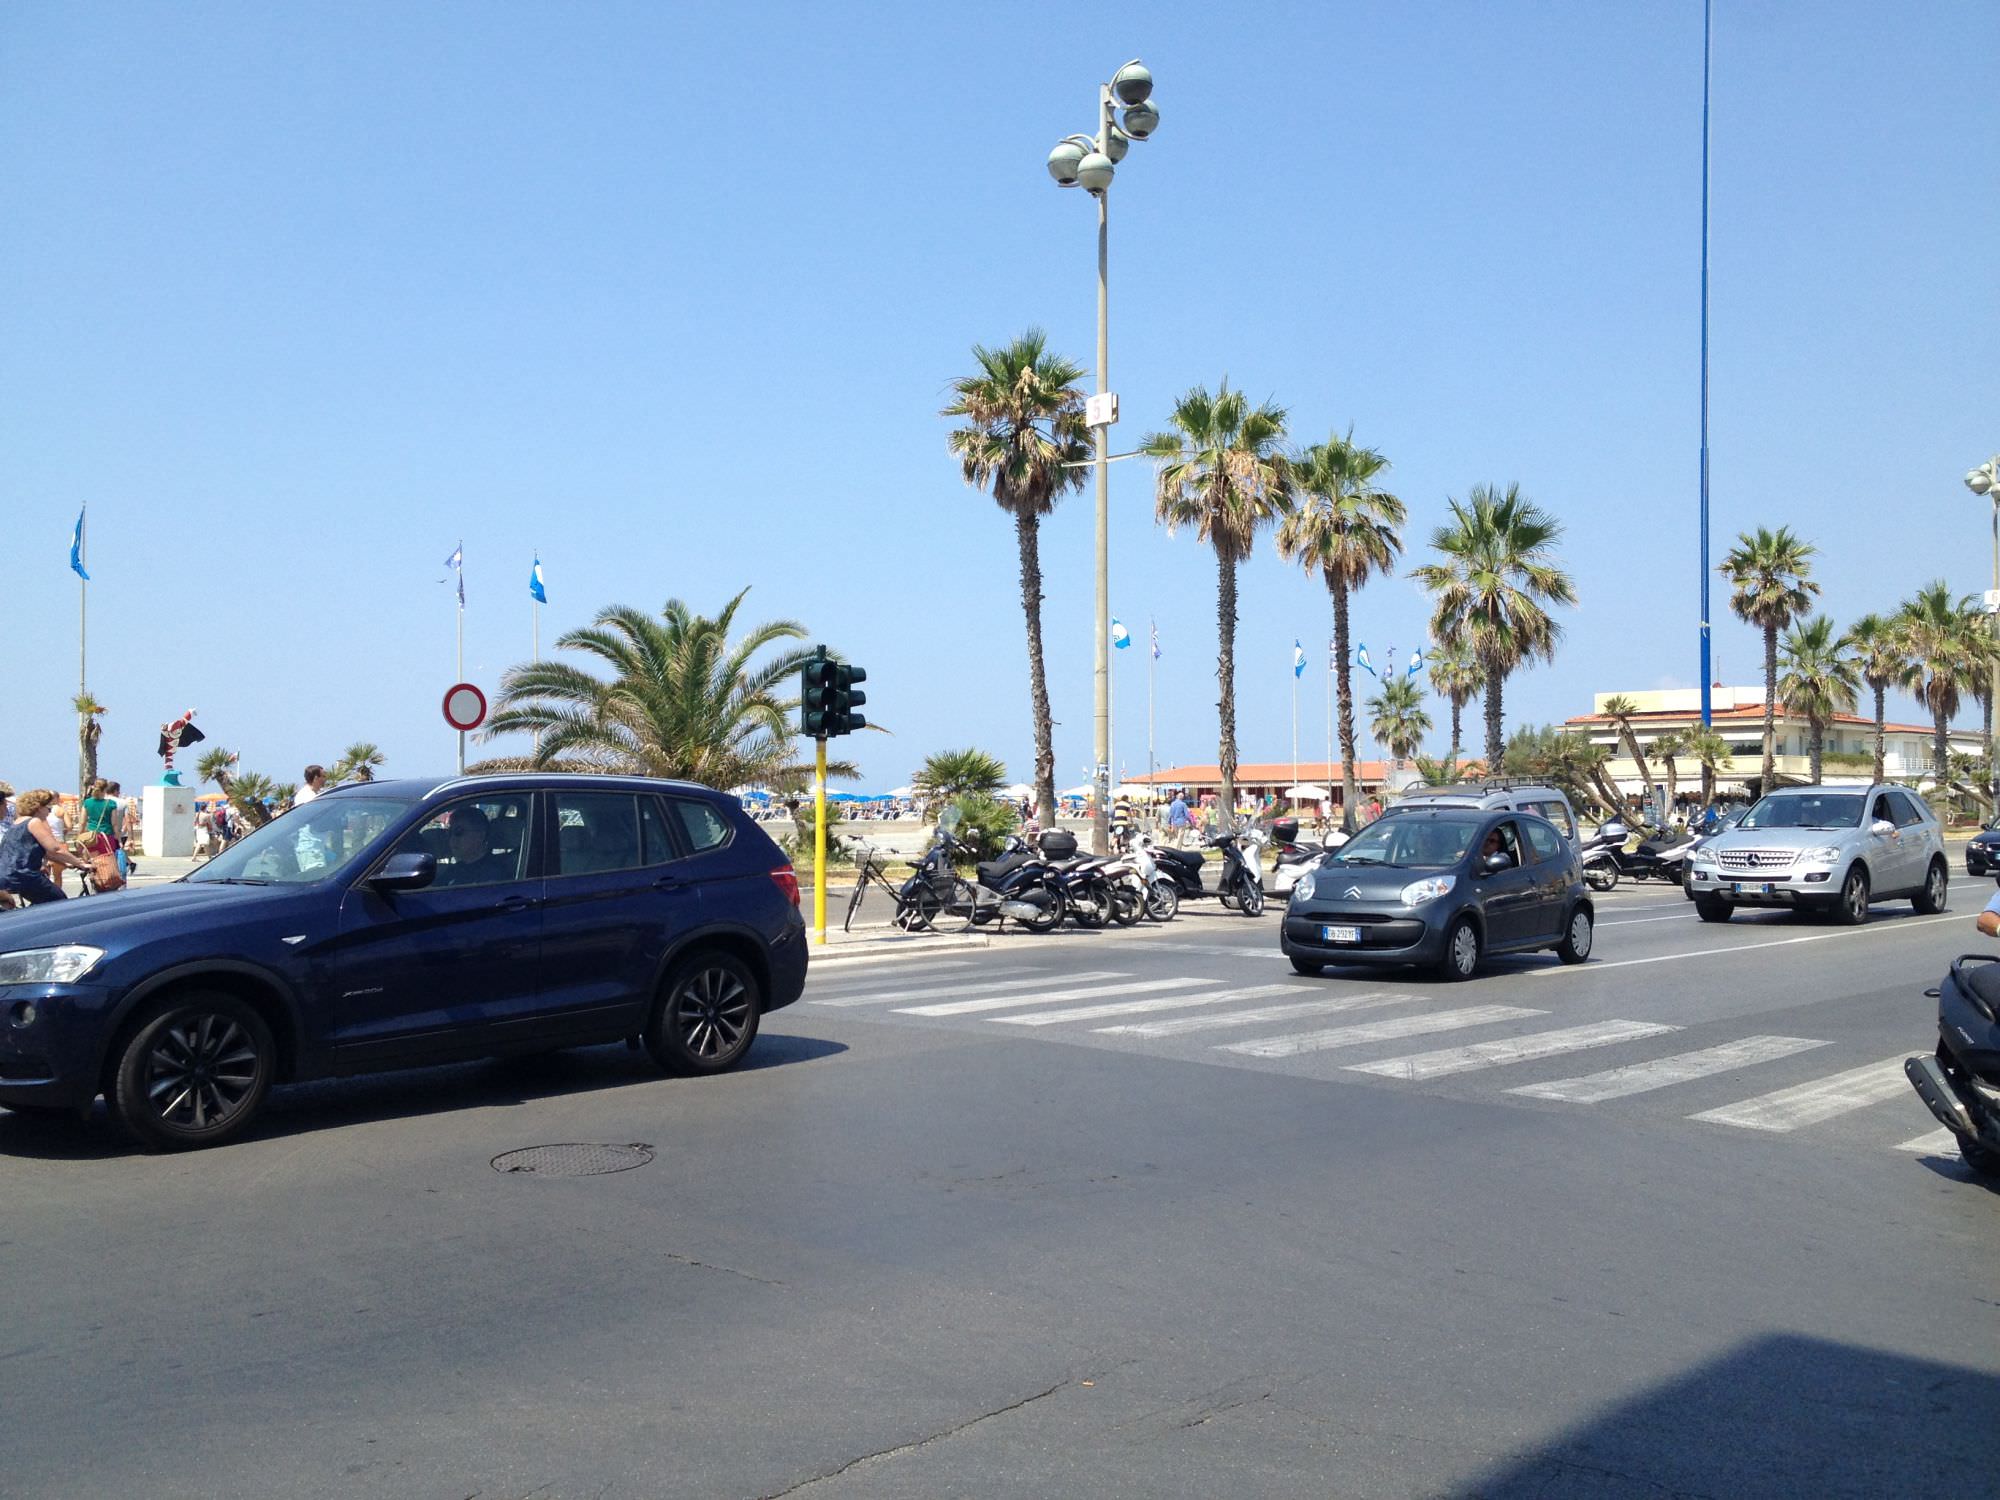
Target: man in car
[
  {"x": 1497, "y": 844},
  {"x": 470, "y": 842}
]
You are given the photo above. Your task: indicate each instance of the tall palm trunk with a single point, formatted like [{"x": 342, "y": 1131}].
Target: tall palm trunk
[
  {"x": 87, "y": 737},
  {"x": 1985, "y": 739},
  {"x": 1350, "y": 788},
  {"x": 1639, "y": 759},
  {"x": 1940, "y": 747},
  {"x": 1708, "y": 782},
  {"x": 1673, "y": 783},
  {"x": 1881, "y": 714},
  {"x": 1495, "y": 747},
  {"x": 1225, "y": 672},
  {"x": 1027, "y": 533},
  {"x": 1815, "y": 745},
  {"x": 1770, "y": 705},
  {"x": 1457, "y": 712}
]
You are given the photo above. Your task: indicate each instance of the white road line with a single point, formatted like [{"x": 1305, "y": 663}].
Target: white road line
[
  {"x": 852, "y": 979},
  {"x": 1817, "y": 937},
  {"x": 1366, "y": 1000},
  {"x": 1683, "y": 1067},
  {"x": 1937, "y": 1143},
  {"x": 1227, "y": 950},
  {"x": 1378, "y": 1031},
  {"x": 1684, "y": 916},
  {"x": 1818, "y": 1101},
  {"x": 884, "y": 989},
  {"x": 1419, "y": 1066},
  {"x": 1008, "y": 1002},
  {"x": 1140, "y": 1007}
]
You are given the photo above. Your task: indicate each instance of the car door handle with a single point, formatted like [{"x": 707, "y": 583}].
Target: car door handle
[
  {"x": 516, "y": 903},
  {"x": 668, "y": 883}
]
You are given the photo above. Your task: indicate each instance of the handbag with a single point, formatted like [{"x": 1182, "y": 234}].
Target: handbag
[{"x": 104, "y": 872}]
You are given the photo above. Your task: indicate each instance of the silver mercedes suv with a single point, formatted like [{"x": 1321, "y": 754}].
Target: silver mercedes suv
[{"x": 1835, "y": 848}]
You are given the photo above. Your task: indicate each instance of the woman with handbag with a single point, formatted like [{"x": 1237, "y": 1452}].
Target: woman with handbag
[{"x": 28, "y": 845}]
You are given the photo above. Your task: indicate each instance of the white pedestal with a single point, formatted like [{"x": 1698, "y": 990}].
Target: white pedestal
[{"x": 166, "y": 818}]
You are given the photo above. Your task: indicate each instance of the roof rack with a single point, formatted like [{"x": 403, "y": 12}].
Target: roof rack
[{"x": 1488, "y": 784}]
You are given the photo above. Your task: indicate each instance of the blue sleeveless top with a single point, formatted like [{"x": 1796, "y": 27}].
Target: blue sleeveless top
[{"x": 20, "y": 853}]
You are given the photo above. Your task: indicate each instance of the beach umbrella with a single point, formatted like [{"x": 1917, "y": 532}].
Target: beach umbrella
[
  {"x": 903, "y": 791},
  {"x": 1017, "y": 791},
  {"x": 1307, "y": 794}
]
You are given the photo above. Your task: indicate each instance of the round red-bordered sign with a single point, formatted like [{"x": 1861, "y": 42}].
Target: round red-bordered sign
[{"x": 464, "y": 707}]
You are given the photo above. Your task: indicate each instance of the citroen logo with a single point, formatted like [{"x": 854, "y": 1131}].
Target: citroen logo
[{"x": 1352, "y": 893}]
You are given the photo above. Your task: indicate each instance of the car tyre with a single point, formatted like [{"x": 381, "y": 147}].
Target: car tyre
[
  {"x": 1461, "y": 951},
  {"x": 1307, "y": 967},
  {"x": 1937, "y": 885},
  {"x": 706, "y": 1016},
  {"x": 1852, "y": 908},
  {"x": 193, "y": 1071},
  {"x": 1575, "y": 946},
  {"x": 1709, "y": 909}
]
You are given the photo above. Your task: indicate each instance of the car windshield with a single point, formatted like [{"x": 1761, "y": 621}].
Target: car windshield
[
  {"x": 307, "y": 844},
  {"x": 1411, "y": 842},
  {"x": 1806, "y": 810}
]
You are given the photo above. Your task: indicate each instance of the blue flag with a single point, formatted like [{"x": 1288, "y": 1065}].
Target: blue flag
[
  {"x": 1361, "y": 659},
  {"x": 1298, "y": 658},
  {"x": 1120, "y": 636},
  {"x": 535, "y": 587},
  {"x": 456, "y": 562},
  {"x": 1156, "y": 639},
  {"x": 1416, "y": 662},
  {"x": 76, "y": 550}
]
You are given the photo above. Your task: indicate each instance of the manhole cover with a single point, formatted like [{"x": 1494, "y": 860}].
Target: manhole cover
[{"x": 574, "y": 1159}]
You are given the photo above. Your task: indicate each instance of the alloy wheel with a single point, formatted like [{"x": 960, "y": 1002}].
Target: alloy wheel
[
  {"x": 1580, "y": 933},
  {"x": 711, "y": 1013},
  {"x": 201, "y": 1071}
]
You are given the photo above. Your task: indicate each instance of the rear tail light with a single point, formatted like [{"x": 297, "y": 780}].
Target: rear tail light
[{"x": 787, "y": 882}]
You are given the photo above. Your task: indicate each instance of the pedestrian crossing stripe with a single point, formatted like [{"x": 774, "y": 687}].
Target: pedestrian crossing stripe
[
  {"x": 1682, "y": 1067},
  {"x": 1139, "y": 1007},
  {"x": 1379, "y": 1031},
  {"x": 1815, "y": 1102},
  {"x": 1933, "y": 1143},
  {"x": 879, "y": 995},
  {"x": 1180, "y": 1025},
  {"x": 1420, "y": 1066},
  {"x": 1009, "y": 1002},
  {"x": 856, "y": 976}
]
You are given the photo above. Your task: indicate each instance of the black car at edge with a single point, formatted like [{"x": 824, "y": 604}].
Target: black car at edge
[
  {"x": 1444, "y": 888},
  {"x": 392, "y": 924}
]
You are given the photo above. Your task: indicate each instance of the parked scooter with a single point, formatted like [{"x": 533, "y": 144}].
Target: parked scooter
[
  {"x": 1960, "y": 1083},
  {"x": 1605, "y": 857},
  {"x": 1236, "y": 880},
  {"x": 1017, "y": 887},
  {"x": 1292, "y": 856},
  {"x": 1092, "y": 896},
  {"x": 1161, "y": 895}
]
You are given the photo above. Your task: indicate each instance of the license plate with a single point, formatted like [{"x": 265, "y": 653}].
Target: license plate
[
  {"x": 1754, "y": 888},
  {"x": 1340, "y": 934}
]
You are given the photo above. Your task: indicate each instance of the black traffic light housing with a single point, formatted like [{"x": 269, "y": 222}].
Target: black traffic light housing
[{"x": 827, "y": 697}]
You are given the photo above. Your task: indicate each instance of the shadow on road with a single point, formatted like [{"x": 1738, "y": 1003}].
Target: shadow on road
[
  {"x": 412, "y": 1094},
  {"x": 1783, "y": 1415}
]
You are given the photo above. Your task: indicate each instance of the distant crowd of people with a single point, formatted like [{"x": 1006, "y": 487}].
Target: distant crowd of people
[{"x": 40, "y": 841}]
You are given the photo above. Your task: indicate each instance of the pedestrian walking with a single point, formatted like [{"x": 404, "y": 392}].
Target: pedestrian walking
[
  {"x": 102, "y": 821},
  {"x": 311, "y": 781},
  {"x": 29, "y": 847},
  {"x": 1178, "y": 822}
]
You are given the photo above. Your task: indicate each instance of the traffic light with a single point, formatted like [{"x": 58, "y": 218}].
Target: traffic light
[
  {"x": 816, "y": 680},
  {"x": 827, "y": 697},
  {"x": 843, "y": 719}
]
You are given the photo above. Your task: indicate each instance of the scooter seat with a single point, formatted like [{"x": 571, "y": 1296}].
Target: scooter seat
[
  {"x": 993, "y": 871},
  {"x": 1186, "y": 857}
]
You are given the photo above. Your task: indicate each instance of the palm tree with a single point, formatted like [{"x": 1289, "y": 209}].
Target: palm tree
[
  {"x": 1223, "y": 472},
  {"x": 250, "y": 793},
  {"x": 217, "y": 765},
  {"x": 1770, "y": 585},
  {"x": 1573, "y": 762},
  {"x": 1879, "y": 659},
  {"x": 1819, "y": 679},
  {"x": 1398, "y": 717},
  {"x": 683, "y": 701},
  {"x": 1346, "y": 528},
  {"x": 1939, "y": 633},
  {"x": 1491, "y": 591},
  {"x": 1025, "y": 441},
  {"x": 1455, "y": 674},
  {"x": 1667, "y": 750},
  {"x": 1710, "y": 751},
  {"x": 1620, "y": 709},
  {"x": 358, "y": 762},
  {"x": 88, "y": 733},
  {"x": 958, "y": 773}
]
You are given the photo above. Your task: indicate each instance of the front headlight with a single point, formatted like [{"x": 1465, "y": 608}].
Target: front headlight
[
  {"x": 48, "y": 965},
  {"x": 1417, "y": 892},
  {"x": 1702, "y": 856},
  {"x": 1826, "y": 854},
  {"x": 1302, "y": 888}
]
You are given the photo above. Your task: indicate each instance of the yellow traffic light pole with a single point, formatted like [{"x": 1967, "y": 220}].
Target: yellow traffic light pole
[{"x": 819, "y": 839}]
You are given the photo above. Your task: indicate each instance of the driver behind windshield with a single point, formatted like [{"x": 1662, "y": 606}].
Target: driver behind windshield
[{"x": 470, "y": 842}]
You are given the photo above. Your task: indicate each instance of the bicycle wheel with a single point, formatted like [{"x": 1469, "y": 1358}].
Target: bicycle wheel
[
  {"x": 854, "y": 901},
  {"x": 955, "y": 913}
]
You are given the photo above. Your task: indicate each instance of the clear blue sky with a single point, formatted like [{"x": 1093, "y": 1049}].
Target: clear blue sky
[{"x": 297, "y": 296}]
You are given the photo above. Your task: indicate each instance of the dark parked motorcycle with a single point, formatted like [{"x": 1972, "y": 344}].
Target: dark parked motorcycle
[
  {"x": 1238, "y": 878},
  {"x": 1960, "y": 1083},
  {"x": 1606, "y": 859}
]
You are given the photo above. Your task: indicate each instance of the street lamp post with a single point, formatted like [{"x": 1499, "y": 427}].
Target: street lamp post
[
  {"x": 1985, "y": 480},
  {"x": 1090, "y": 162}
]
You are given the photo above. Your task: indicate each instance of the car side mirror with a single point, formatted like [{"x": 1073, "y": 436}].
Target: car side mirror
[
  {"x": 1492, "y": 864},
  {"x": 411, "y": 870},
  {"x": 1882, "y": 827}
]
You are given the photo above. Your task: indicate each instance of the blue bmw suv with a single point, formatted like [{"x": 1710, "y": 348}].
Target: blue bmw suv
[{"x": 392, "y": 924}]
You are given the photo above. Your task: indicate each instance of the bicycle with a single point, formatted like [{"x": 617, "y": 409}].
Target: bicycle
[{"x": 933, "y": 899}]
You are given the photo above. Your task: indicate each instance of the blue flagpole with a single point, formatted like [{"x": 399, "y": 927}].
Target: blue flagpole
[{"x": 1707, "y": 707}]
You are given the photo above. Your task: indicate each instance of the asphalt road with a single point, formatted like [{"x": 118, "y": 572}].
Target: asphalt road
[{"x": 1136, "y": 1214}]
